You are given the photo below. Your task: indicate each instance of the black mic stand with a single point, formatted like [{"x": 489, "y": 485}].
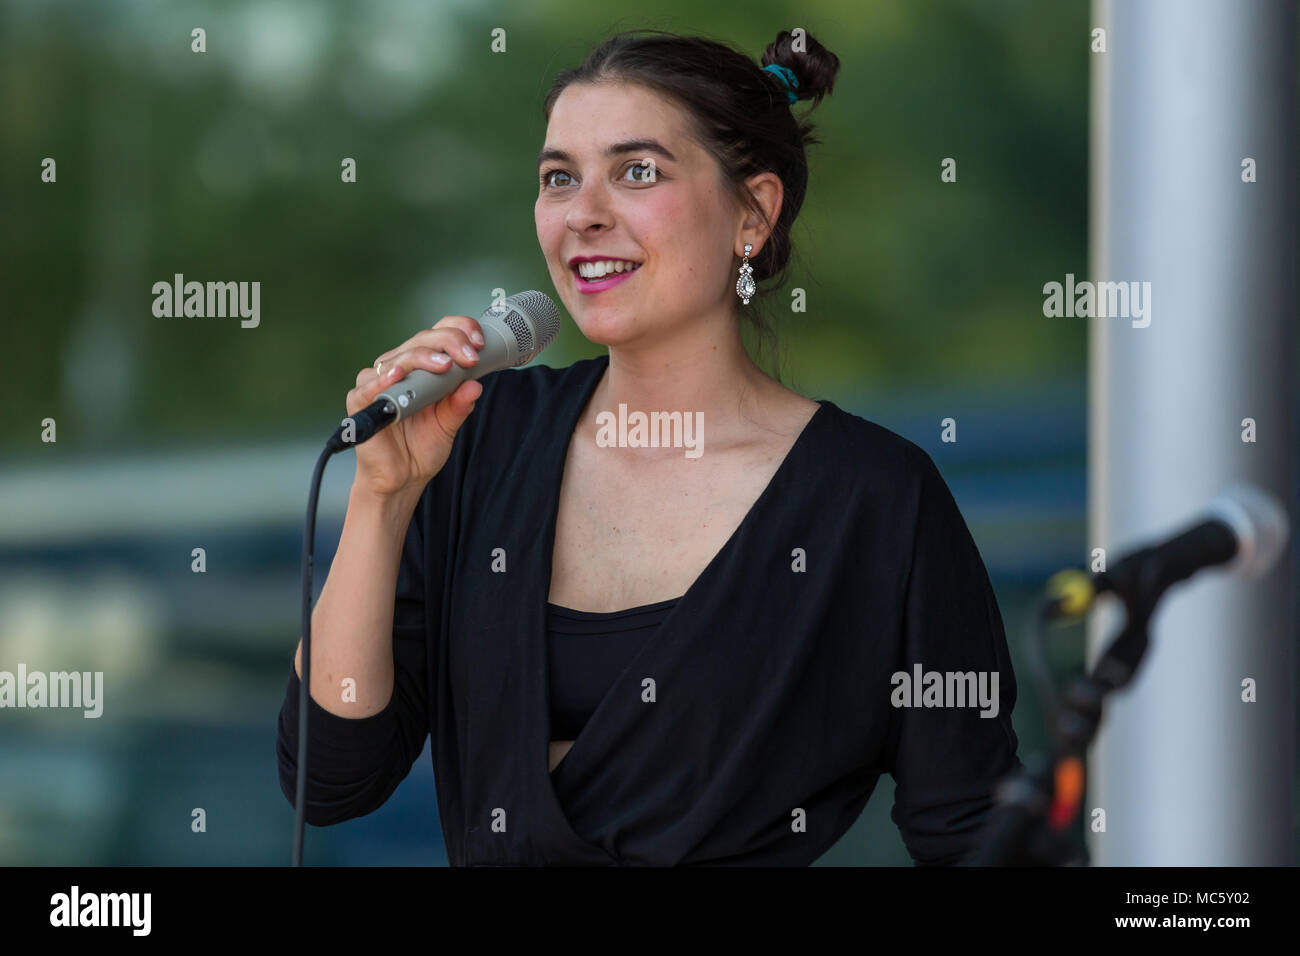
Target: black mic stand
[{"x": 1034, "y": 808}]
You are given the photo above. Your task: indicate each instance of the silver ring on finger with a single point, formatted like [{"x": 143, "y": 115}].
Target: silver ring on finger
[{"x": 379, "y": 366}]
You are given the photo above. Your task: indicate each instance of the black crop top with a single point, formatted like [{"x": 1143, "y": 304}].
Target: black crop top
[{"x": 586, "y": 652}]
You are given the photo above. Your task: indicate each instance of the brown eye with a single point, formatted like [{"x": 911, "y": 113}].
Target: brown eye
[
  {"x": 643, "y": 172},
  {"x": 546, "y": 177}
]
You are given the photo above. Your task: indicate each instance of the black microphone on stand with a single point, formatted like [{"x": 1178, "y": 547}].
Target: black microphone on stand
[{"x": 1245, "y": 528}]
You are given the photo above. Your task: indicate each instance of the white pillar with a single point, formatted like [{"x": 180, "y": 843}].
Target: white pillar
[{"x": 1187, "y": 90}]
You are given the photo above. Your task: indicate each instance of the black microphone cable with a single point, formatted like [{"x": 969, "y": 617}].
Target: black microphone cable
[
  {"x": 356, "y": 428},
  {"x": 304, "y": 687}
]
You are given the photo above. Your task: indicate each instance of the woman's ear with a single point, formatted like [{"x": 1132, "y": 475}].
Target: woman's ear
[{"x": 768, "y": 193}]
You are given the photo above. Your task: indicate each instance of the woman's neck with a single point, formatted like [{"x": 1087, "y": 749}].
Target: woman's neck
[{"x": 699, "y": 369}]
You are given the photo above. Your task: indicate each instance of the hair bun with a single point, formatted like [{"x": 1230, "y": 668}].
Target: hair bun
[{"x": 813, "y": 64}]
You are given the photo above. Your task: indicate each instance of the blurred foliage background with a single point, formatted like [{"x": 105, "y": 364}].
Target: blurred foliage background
[
  {"x": 924, "y": 301},
  {"x": 226, "y": 165}
]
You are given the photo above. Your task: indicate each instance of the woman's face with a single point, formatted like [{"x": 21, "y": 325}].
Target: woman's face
[{"x": 620, "y": 179}]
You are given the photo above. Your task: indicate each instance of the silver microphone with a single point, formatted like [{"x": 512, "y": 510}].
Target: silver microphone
[{"x": 515, "y": 331}]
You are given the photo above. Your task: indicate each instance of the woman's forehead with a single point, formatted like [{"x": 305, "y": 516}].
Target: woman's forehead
[{"x": 606, "y": 113}]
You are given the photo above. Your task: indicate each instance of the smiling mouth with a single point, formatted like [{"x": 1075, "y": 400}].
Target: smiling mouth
[{"x": 589, "y": 273}]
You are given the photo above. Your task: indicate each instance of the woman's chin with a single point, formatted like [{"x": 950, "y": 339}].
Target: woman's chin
[
  {"x": 606, "y": 335},
  {"x": 604, "y": 326}
]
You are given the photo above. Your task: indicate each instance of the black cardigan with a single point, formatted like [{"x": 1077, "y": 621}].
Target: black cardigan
[{"x": 750, "y": 729}]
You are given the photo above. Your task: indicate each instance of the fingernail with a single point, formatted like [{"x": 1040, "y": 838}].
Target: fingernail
[
  {"x": 476, "y": 337},
  {"x": 392, "y": 372},
  {"x": 468, "y": 351},
  {"x": 440, "y": 358}
]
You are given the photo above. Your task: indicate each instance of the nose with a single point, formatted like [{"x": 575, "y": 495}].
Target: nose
[{"x": 589, "y": 210}]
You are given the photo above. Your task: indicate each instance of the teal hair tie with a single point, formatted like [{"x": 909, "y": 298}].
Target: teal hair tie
[{"x": 787, "y": 77}]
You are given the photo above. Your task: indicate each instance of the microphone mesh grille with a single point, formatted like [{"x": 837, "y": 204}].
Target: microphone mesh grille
[
  {"x": 523, "y": 334},
  {"x": 537, "y": 327}
]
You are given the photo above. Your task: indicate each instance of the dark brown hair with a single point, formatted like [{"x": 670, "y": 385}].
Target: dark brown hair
[{"x": 739, "y": 112}]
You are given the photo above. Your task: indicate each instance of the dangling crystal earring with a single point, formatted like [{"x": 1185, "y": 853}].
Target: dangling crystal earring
[{"x": 745, "y": 287}]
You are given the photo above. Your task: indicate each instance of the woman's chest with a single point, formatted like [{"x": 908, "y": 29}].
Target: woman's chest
[{"x": 626, "y": 537}]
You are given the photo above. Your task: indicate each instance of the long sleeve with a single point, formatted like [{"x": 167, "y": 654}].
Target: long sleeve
[
  {"x": 949, "y": 758},
  {"x": 354, "y": 764}
]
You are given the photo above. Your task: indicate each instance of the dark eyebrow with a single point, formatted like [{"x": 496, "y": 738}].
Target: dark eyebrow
[{"x": 615, "y": 149}]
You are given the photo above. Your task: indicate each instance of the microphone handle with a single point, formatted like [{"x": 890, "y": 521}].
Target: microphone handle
[
  {"x": 1205, "y": 545},
  {"x": 420, "y": 388},
  {"x": 1150, "y": 571}
]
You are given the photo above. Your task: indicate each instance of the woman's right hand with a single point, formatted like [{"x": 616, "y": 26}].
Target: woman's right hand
[{"x": 402, "y": 458}]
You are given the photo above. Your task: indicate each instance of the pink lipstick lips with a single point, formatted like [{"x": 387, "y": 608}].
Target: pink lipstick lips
[
  {"x": 607, "y": 281},
  {"x": 600, "y": 285}
]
